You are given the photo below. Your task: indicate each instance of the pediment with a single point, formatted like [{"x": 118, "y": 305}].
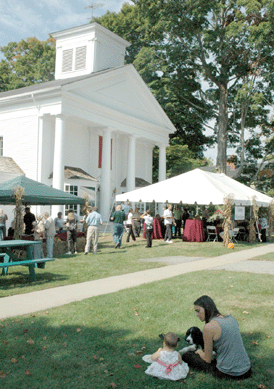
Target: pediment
[{"x": 124, "y": 91}]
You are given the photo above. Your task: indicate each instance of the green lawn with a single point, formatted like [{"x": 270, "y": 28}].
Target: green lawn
[
  {"x": 266, "y": 257},
  {"x": 109, "y": 262},
  {"x": 98, "y": 343}
]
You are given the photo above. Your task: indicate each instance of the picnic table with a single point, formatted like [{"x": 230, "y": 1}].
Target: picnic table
[{"x": 9, "y": 256}]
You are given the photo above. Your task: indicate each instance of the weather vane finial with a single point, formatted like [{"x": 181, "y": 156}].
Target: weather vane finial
[{"x": 94, "y": 6}]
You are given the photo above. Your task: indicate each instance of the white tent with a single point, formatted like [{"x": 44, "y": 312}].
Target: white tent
[{"x": 197, "y": 186}]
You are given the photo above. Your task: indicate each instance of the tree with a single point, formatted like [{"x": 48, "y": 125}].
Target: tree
[
  {"x": 28, "y": 62},
  {"x": 225, "y": 42},
  {"x": 173, "y": 85}
]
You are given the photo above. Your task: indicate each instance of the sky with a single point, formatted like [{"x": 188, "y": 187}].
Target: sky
[{"x": 21, "y": 19}]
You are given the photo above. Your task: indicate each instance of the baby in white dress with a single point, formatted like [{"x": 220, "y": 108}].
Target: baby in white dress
[{"x": 166, "y": 363}]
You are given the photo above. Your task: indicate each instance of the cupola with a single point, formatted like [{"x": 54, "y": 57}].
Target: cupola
[{"x": 86, "y": 49}]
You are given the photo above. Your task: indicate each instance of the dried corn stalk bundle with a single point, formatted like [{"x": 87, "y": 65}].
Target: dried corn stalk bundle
[
  {"x": 227, "y": 224},
  {"x": 253, "y": 220},
  {"x": 271, "y": 217},
  {"x": 85, "y": 212},
  {"x": 19, "y": 213}
]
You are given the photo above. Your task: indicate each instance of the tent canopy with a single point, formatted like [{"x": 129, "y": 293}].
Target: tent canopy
[
  {"x": 36, "y": 193},
  {"x": 197, "y": 186}
]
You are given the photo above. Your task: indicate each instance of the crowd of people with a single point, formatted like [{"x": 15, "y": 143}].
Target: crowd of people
[{"x": 169, "y": 225}]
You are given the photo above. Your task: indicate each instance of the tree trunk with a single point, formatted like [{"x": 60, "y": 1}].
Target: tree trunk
[{"x": 222, "y": 130}]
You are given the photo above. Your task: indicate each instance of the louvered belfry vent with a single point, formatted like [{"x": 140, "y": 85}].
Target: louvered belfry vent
[
  {"x": 67, "y": 60},
  {"x": 80, "y": 57}
]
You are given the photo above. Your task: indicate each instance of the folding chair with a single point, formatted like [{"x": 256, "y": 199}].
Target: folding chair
[
  {"x": 212, "y": 232},
  {"x": 232, "y": 234}
]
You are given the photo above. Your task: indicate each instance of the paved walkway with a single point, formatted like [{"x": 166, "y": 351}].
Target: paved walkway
[{"x": 49, "y": 298}]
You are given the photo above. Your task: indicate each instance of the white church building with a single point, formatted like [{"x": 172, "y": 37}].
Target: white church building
[{"x": 91, "y": 129}]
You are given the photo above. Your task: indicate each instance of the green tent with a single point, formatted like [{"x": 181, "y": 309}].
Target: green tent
[{"x": 36, "y": 193}]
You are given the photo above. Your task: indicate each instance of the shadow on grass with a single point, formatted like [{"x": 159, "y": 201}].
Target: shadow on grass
[
  {"x": 44, "y": 352},
  {"x": 21, "y": 280}
]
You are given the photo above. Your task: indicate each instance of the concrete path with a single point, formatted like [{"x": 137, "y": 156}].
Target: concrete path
[{"x": 49, "y": 298}]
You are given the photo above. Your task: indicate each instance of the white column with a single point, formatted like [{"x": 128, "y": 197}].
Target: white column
[
  {"x": 58, "y": 160},
  {"x": 162, "y": 163},
  {"x": 131, "y": 163},
  {"x": 105, "y": 190}
]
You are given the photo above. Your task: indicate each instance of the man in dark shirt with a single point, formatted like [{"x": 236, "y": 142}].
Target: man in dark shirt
[{"x": 29, "y": 218}]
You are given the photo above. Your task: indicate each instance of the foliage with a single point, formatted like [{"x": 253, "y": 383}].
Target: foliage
[
  {"x": 163, "y": 67},
  {"x": 179, "y": 159},
  {"x": 228, "y": 46},
  {"x": 28, "y": 62}
]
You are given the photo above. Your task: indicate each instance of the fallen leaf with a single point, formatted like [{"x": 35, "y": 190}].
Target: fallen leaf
[
  {"x": 113, "y": 385},
  {"x": 23, "y": 357},
  {"x": 62, "y": 321},
  {"x": 25, "y": 330},
  {"x": 94, "y": 357},
  {"x": 5, "y": 342},
  {"x": 138, "y": 352},
  {"x": 106, "y": 371},
  {"x": 3, "y": 374},
  {"x": 256, "y": 343},
  {"x": 136, "y": 313},
  {"x": 78, "y": 330},
  {"x": 27, "y": 372},
  {"x": 46, "y": 312},
  {"x": 143, "y": 348},
  {"x": 261, "y": 386},
  {"x": 44, "y": 338},
  {"x": 231, "y": 286},
  {"x": 101, "y": 359},
  {"x": 44, "y": 347},
  {"x": 137, "y": 366},
  {"x": 245, "y": 312},
  {"x": 30, "y": 341},
  {"x": 14, "y": 360}
]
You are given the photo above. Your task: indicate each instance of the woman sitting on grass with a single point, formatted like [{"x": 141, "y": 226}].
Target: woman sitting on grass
[{"x": 222, "y": 333}]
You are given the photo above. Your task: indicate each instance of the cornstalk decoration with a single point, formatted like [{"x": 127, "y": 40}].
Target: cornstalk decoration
[
  {"x": 271, "y": 217},
  {"x": 254, "y": 220},
  {"x": 19, "y": 213},
  {"x": 85, "y": 211},
  {"x": 227, "y": 224}
]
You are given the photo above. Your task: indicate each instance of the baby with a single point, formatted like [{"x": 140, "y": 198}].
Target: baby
[{"x": 166, "y": 363}]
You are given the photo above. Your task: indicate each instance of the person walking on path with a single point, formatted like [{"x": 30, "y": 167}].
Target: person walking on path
[
  {"x": 118, "y": 218},
  {"x": 94, "y": 220}
]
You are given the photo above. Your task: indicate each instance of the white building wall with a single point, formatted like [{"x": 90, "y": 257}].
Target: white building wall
[{"x": 20, "y": 140}]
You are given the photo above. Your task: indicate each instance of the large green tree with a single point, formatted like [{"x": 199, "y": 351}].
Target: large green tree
[
  {"x": 28, "y": 62},
  {"x": 166, "y": 71},
  {"x": 227, "y": 44}
]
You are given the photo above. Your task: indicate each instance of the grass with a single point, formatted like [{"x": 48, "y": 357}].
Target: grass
[
  {"x": 98, "y": 343},
  {"x": 73, "y": 269},
  {"x": 265, "y": 257}
]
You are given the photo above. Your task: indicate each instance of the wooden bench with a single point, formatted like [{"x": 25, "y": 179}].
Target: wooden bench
[{"x": 30, "y": 263}]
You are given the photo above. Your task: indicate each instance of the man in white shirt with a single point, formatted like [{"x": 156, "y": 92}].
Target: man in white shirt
[
  {"x": 168, "y": 220},
  {"x": 94, "y": 220}
]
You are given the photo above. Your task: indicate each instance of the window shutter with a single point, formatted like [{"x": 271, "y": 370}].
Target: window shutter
[
  {"x": 67, "y": 60},
  {"x": 80, "y": 57}
]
